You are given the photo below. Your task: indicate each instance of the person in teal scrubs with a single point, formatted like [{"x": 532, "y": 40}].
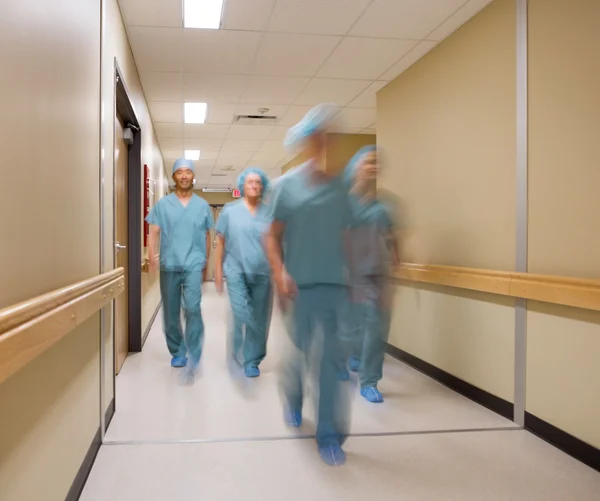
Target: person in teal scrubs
[
  {"x": 240, "y": 258},
  {"x": 374, "y": 248},
  {"x": 181, "y": 221},
  {"x": 305, "y": 245}
]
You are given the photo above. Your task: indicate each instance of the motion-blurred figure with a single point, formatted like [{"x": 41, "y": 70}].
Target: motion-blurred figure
[
  {"x": 310, "y": 212},
  {"x": 373, "y": 248},
  {"x": 241, "y": 259},
  {"x": 181, "y": 221}
]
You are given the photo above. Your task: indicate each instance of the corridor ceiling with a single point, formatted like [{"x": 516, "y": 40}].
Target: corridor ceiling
[{"x": 282, "y": 55}]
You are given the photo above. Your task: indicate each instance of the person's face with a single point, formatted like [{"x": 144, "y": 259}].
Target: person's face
[
  {"x": 253, "y": 186},
  {"x": 184, "y": 179},
  {"x": 369, "y": 167},
  {"x": 316, "y": 144}
]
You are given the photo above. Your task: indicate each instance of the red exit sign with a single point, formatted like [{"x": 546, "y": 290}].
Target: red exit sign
[{"x": 236, "y": 193}]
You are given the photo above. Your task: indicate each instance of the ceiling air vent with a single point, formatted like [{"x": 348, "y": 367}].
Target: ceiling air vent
[{"x": 261, "y": 117}]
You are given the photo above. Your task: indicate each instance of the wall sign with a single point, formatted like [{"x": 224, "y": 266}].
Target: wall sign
[{"x": 236, "y": 193}]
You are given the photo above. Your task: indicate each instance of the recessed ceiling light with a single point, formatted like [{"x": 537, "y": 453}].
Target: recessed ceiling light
[
  {"x": 205, "y": 14},
  {"x": 192, "y": 154},
  {"x": 195, "y": 113}
]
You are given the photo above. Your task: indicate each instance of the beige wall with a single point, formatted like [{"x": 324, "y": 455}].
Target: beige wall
[
  {"x": 447, "y": 127},
  {"x": 50, "y": 226},
  {"x": 563, "y": 368},
  {"x": 117, "y": 47},
  {"x": 339, "y": 150}
]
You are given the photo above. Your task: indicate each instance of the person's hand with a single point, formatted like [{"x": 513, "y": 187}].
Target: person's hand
[
  {"x": 286, "y": 288},
  {"x": 219, "y": 282},
  {"x": 153, "y": 263}
]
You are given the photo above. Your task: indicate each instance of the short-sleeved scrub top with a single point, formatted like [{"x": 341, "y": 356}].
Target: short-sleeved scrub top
[
  {"x": 315, "y": 218},
  {"x": 244, "y": 233},
  {"x": 182, "y": 232}
]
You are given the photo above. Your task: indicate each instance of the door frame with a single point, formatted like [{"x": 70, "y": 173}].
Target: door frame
[{"x": 123, "y": 106}]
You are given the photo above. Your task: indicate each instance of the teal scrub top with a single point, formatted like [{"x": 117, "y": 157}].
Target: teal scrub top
[
  {"x": 244, "y": 234},
  {"x": 372, "y": 223},
  {"x": 182, "y": 232},
  {"x": 315, "y": 218}
]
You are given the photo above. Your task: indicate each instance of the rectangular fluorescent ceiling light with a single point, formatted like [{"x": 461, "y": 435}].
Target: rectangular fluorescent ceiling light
[
  {"x": 216, "y": 190},
  {"x": 192, "y": 154},
  {"x": 194, "y": 113},
  {"x": 205, "y": 14}
]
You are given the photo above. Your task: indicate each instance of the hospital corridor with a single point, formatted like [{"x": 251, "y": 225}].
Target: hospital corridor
[{"x": 299, "y": 250}]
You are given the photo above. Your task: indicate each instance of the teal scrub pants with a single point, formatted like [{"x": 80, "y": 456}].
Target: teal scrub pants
[
  {"x": 371, "y": 319},
  {"x": 317, "y": 314},
  {"x": 251, "y": 301},
  {"x": 175, "y": 287}
]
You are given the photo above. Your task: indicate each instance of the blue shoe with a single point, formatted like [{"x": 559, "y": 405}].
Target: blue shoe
[
  {"x": 354, "y": 364},
  {"x": 332, "y": 455},
  {"x": 372, "y": 394},
  {"x": 179, "y": 362},
  {"x": 293, "y": 418},
  {"x": 252, "y": 371}
]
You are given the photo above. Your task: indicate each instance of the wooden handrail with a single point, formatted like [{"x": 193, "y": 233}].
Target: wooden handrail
[
  {"x": 29, "y": 328},
  {"x": 566, "y": 291}
]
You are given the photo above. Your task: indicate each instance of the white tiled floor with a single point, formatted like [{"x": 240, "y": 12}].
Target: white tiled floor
[{"x": 223, "y": 438}]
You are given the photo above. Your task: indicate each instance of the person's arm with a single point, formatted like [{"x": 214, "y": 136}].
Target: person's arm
[
  {"x": 153, "y": 243},
  {"x": 209, "y": 226}
]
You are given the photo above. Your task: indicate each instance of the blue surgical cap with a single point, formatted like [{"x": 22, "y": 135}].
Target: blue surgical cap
[
  {"x": 252, "y": 170},
  {"x": 350, "y": 170},
  {"x": 183, "y": 163},
  {"x": 316, "y": 120}
]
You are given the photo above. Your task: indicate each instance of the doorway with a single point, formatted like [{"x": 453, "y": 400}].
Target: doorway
[
  {"x": 127, "y": 219},
  {"x": 121, "y": 344},
  {"x": 210, "y": 274}
]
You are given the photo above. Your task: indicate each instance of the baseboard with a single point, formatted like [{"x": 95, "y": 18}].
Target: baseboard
[
  {"x": 482, "y": 397},
  {"x": 110, "y": 412},
  {"x": 84, "y": 470},
  {"x": 560, "y": 439},
  {"x": 88, "y": 462},
  {"x": 151, "y": 323}
]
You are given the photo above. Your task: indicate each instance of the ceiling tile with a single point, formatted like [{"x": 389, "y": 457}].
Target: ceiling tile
[
  {"x": 272, "y": 89},
  {"x": 408, "y": 19},
  {"x": 356, "y": 117},
  {"x": 152, "y": 12},
  {"x": 251, "y": 15},
  {"x": 162, "y": 86},
  {"x": 242, "y": 145},
  {"x": 330, "y": 17},
  {"x": 202, "y": 144},
  {"x": 200, "y": 87},
  {"x": 292, "y": 55},
  {"x": 348, "y": 130},
  {"x": 168, "y": 129},
  {"x": 157, "y": 49},
  {"x": 237, "y": 159},
  {"x": 459, "y": 18},
  {"x": 205, "y": 131},
  {"x": 220, "y": 113},
  {"x": 166, "y": 112},
  {"x": 355, "y": 57},
  {"x": 335, "y": 91},
  {"x": 407, "y": 61},
  {"x": 209, "y": 155},
  {"x": 278, "y": 134},
  {"x": 219, "y": 51},
  {"x": 293, "y": 116},
  {"x": 369, "y": 131},
  {"x": 249, "y": 132},
  {"x": 274, "y": 148},
  {"x": 368, "y": 99},
  {"x": 174, "y": 144},
  {"x": 204, "y": 165}
]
